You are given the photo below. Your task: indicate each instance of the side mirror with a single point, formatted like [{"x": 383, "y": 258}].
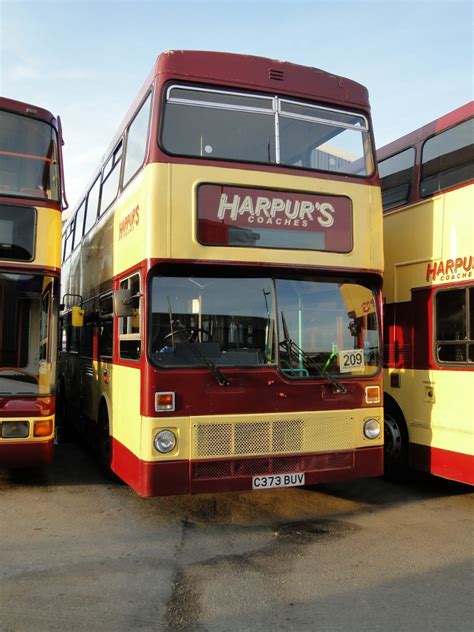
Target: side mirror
[
  {"x": 77, "y": 316},
  {"x": 123, "y": 307}
]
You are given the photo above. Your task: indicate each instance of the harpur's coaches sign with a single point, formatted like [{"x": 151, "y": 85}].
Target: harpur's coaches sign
[{"x": 262, "y": 218}]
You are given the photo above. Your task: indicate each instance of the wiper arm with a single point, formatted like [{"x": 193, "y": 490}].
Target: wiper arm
[
  {"x": 216, "y": 372},
  {"x": 292, "y": 348}
]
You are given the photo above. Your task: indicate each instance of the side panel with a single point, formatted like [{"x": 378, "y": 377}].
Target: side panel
[
  {"x": 157, "y": 216},
  {"x": 438, "y": 407},
  {"x": 429, "y": 246}
]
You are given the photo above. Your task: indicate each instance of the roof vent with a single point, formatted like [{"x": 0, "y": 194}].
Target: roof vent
[{"x": 276, "y": 75}]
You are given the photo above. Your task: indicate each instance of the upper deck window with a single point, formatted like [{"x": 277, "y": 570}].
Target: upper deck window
[
  {"x": 396, "y": 174},
  {"x": 224, "y": 125},
  {"x": 137, "y": 135},
  {"x": 29, "y": 165},
  {"x": 17, "y": 232},
  {"x": 448, "y": 159}
]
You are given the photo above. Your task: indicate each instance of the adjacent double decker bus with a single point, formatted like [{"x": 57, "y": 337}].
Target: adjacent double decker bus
[
  {"x": 30, "y": 256},
  {"x": 428, "y": 199},
  {"x": 226, "y": 264}
]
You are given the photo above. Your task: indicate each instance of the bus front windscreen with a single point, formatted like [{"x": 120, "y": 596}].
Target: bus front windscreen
[
  {"x": 308, "y": 328},
  {"x": 28, "y": 334},
  {"x": 29, "y": 164}
]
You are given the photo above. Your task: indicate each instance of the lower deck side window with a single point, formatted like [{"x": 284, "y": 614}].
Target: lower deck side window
[{"x": 455, "y": 325}]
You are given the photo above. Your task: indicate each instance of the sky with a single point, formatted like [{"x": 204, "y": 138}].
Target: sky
[{"x": 86, "y": 60}]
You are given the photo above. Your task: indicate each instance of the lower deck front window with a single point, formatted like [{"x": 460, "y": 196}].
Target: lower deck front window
[{"x": 308, "y": 328}]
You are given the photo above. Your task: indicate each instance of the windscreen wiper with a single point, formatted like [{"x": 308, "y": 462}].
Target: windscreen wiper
[
  {"x": 216, "y": 372},
  {"x": 293, "y": 349}
]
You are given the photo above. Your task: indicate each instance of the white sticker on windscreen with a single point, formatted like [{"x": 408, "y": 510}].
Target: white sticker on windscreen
[{"x": 351, "y": 360}]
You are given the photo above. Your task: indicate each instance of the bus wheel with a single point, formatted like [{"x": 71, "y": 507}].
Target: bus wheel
[{"x": 395, "y": 446}]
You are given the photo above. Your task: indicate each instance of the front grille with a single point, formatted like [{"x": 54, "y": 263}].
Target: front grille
[
  {"x": 238, "y": 468},
  {"x": 216, "y": 439}
]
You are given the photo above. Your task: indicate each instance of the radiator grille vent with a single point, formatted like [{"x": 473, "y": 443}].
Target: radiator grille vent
[{"x": 289, "y": 436}]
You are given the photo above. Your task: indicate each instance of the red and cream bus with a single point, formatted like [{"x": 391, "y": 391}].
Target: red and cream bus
[
  {"x": 428, "y": 198},
  {"x": 226, "y": 261},
  {"x": 30, "y": 256}
]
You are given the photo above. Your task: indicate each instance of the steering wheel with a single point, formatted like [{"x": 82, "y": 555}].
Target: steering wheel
[
  {"x": 192, "y": 330},
  {"x": 21, "y": 372}
]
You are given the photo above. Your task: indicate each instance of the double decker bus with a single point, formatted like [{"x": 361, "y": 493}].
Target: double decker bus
[
  {"x": 428, "y": 199},
  {"x": 30, "y": 256},
  {"x": 226, "y": 266}
]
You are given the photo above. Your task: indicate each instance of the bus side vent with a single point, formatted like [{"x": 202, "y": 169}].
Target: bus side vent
[{"x": 276, "y": 75}]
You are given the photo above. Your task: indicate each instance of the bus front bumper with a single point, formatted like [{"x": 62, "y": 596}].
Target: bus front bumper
[
  {"x": 21, "y": 454},
  {"x": 226, "y": 475}
]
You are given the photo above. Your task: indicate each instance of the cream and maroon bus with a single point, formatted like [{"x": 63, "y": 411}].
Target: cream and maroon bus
[
  {"x": 30, "y": 256},
  {"x": 226, "y": 264},
  {"x": 428, "y": 199}
]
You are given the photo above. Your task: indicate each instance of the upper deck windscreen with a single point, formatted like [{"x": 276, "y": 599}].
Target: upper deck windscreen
[
  {"x": 29, "y": 165},
  {"x": 224, "y": 125}
]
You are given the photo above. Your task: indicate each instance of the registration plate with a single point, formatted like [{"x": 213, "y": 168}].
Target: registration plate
[{"x": 277, "y": 480}]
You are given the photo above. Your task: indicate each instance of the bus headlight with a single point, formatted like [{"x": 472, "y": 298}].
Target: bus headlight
[
  {"x": 372, "y": 429},
  {"x": 165, "y": 441},
  {"x": 15, "y": 429}
]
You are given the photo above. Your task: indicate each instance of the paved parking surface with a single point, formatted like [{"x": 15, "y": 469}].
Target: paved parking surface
[{"x": 80, "y": 553}]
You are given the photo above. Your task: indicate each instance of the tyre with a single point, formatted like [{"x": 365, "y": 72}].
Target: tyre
[{"x": 395, "y": 445}]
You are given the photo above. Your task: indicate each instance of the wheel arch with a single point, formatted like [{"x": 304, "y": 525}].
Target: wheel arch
[{"x": 391, "y": 405}]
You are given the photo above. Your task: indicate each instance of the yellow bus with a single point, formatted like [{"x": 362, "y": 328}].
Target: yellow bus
[
  {"x": 428, "y": 199},
  {"x": 30, "y": 256},
  {"x": 226, "y": 264}
]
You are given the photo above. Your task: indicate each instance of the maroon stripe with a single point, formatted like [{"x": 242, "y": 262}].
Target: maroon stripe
[
  {"x": 398, "y": 335},
  {"x": 27, "y": 406},
  {"x": 175, "y": 477},
  {"x": 418, "y": 136},
  {"x": 150, "y": 479},
  {"x": 159, "y": 156},
  {"x": 28, "y": 268},
  {"x": 35, "y": 202},
  {"x": 266, "y": 388},
  {"x": 409, "y": 332},
  {"x": 19, "y": 107},
  {"x": 446, "y": 463},
  {"x": 26, "y": 454}
]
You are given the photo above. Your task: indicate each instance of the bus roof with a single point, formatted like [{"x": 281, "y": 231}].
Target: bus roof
[
  {"x": 420, "y": 134},
  {"x": 261, "y": 73},
  {"x": 249, "y": 71},
  {"x": 27, "y": 109},
  {"x": 233, "y": 69}
]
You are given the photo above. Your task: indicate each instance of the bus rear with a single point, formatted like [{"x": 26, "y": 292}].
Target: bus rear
[{"x": 30, "y": 244}]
